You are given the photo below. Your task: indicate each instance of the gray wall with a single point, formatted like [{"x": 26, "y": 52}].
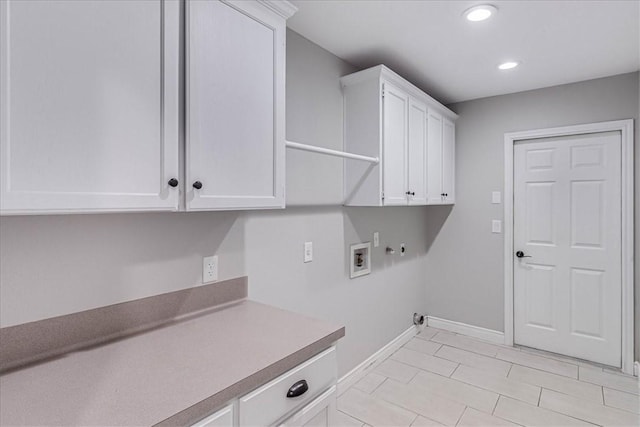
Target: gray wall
[
  {"x": 54, "y": 265},
  {"x": 465, "y": 260}
]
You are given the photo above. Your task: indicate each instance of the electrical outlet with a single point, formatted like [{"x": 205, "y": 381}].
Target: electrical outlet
[
  {"x": 402, "y": 249},
  {"x": 376, "y": 239},
  {"x": 209, "y": 269},
  {"x": 496, "y": 226},
  {"x": 308, "y": 251}
]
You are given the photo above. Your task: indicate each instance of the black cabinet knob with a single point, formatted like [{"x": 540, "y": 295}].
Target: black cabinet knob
[
  {"x": 197, "y": 185},
  {"x": 173, "y": 182},
  {"x": 413, "y": 193},
  {"x": 298, "y": 389}
]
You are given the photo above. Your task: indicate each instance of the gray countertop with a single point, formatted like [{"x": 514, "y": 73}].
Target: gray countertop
[{"x": 171, "y": 375}]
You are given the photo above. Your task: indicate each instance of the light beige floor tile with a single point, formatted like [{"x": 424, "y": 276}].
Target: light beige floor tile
[
  {"x": 425, "y": 422},
  {"x": 617, "y": 382},
  {"x": 425, "y": 361},
  {"x": 474, "y": 360},
  {"x": 538, "y": 362},
  {"x": 556, "y": 382},
  {"x": 475, "y": 418},
  {"x": 375, "y": 412},
  {"x": 559, "y": 357},
  {"x": 466, "y": 343},
  {"x": 427, "y": 333},
  {"x": 426, "y": 347},
  {"x": 587, "y": 411},
  {"x": 529, "y": 415},
  {"x": 396, "y": 370},
  {"x": 457, "y": 391},
  {"x": 344, "y": 420},
  {"x": 369, "y": 382},
  {"x": 498, "y": 384},
  {"x": 420, "y": 401},
  {"x": 621, "y": 400}
]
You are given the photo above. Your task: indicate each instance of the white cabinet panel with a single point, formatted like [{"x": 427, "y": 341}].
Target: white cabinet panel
[
  {"x": 395, "y": 121},
  {"x": 448, "y": 161},
  {"x": 89, "y": 107},
  {"x": 235, "y": 106},
  {"x": 434, "y": 158},
  {"x": 417, "y": 153}
]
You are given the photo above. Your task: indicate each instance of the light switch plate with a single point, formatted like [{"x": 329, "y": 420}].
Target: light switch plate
[
  {"x": 376, "y": 239},
  {"x": 496, "y": 226},
  {"x": 496, "y": 197},
  {"x": 308, "y": 251}
]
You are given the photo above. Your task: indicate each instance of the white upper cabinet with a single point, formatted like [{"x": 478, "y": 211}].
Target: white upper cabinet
[
  {"x": 235, "y": 116},
  {"x": 88, "y": 106},
  {"x": 394, "y": 144},
  {"x": 412, "y": 134}
]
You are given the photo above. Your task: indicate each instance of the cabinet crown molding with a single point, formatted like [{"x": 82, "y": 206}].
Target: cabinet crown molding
[{"x": 281, "y": 7}]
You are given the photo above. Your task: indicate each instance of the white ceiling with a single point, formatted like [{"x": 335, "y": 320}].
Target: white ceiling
[{"x": 433, "y": 46}]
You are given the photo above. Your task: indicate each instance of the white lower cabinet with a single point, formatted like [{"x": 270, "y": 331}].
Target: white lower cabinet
[
  {"x": 319, "y": 413},
  {"x": 303, "y": 396}
]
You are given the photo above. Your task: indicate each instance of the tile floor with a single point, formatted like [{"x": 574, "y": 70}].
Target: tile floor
[{"x": 442, "y": 378}]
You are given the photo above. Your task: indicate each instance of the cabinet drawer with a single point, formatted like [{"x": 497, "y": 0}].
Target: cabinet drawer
[{"x": 270, "y": 403}]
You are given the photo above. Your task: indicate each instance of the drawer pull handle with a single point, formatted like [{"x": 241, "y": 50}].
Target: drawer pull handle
[{"x": 298, "y": 389}]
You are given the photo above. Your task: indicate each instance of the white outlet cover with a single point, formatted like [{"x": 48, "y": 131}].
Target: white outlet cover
[
  {"x": 209, "y": 269},
  {"x": 376, "y": 239},
  {"x": 496, "y": 226},
  {"x": 308, "y": 251}
]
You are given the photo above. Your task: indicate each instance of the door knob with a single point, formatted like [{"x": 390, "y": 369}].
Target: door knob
[
  {"x": 173, "y": 182},
  {"x": 197, "y": 185},
  {"x": 521, "y": 254}
]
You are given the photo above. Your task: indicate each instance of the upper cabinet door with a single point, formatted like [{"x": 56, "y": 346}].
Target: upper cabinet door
[
  {"x": 448, "y": 161},
  {"x": 434, "y": 158},
  {"x": 88, "y": 106},
  {"x": 417, "y": 153},
  {"x": 394, "y": 141},
  {"x": 235, "y": 106}
]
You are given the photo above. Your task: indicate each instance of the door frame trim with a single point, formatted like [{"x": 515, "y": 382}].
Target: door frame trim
[{"x": 625, "y": 127}]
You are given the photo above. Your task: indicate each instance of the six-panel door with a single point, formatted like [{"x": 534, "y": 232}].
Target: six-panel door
[
  {"x": 567, "y": 229},
  {"x": 235, "y": 106},
  {"x": 88, "y": 106}
]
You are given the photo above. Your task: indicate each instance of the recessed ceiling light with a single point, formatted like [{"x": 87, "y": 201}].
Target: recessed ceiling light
[
  {"x": 480, "y": 12},
  {"x": 508, "y": 65}
]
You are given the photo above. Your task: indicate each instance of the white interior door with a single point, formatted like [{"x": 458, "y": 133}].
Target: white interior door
[
  {"x": 417, "y": 153},
  {"x": 396, "y": 107},
  {"x": 567, "y": 224}
]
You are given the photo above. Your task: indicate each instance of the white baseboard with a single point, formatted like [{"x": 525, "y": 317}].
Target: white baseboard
[
  {"x": 354, "y": 375},
  {"x": 490, "y": 335}
]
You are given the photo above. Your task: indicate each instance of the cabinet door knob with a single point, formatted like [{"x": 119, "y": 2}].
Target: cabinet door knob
[
  {"x": 197, "y": 185},
  {"x": 173, "y": 182},
  {"x": 413, "y": 193},
  {"x": 298, "y": 389}
]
